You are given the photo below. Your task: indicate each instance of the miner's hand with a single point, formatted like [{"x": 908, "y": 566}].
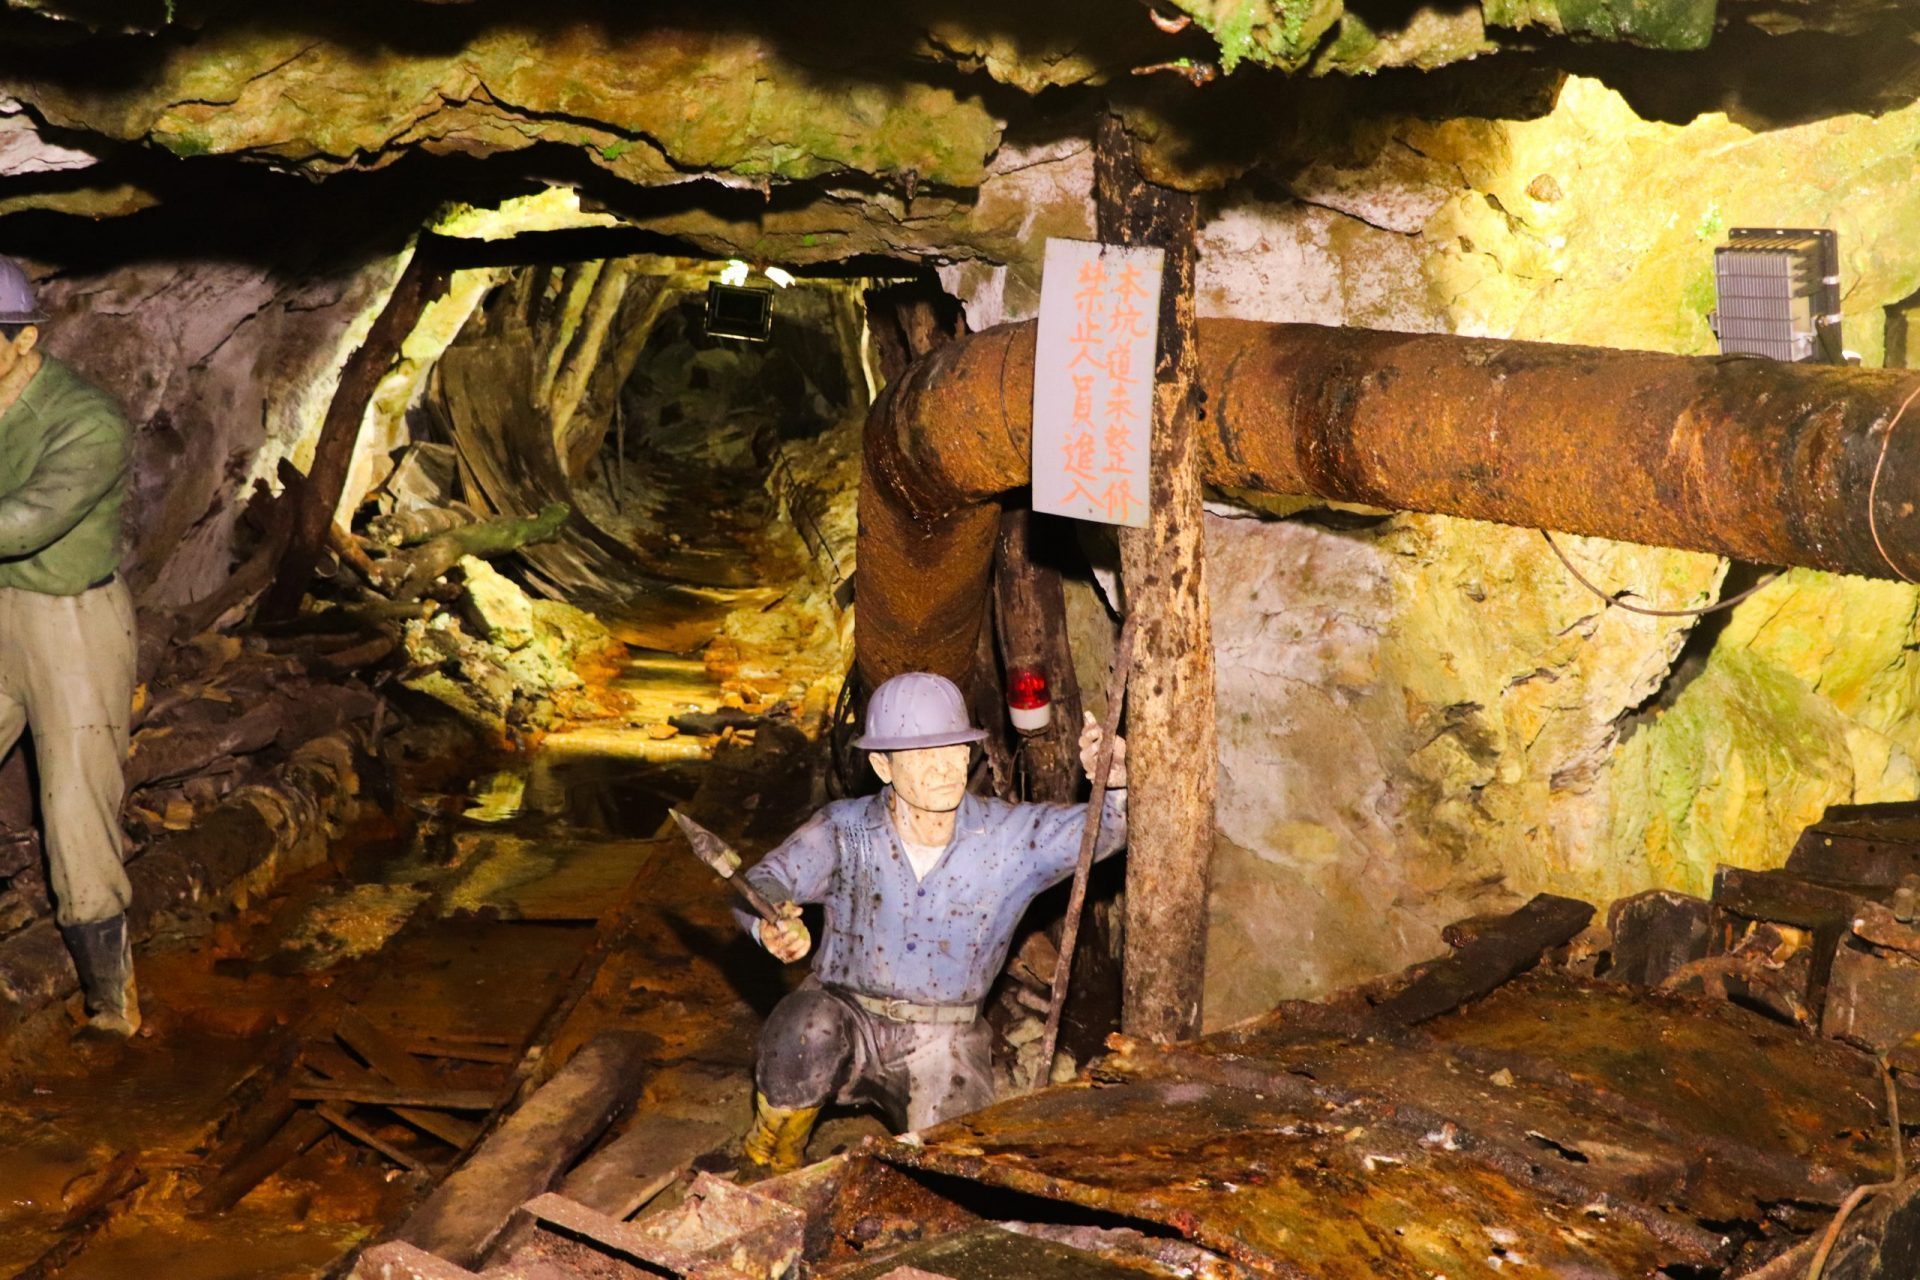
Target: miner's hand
[
  {"x": 1090, "y": 753},
  {"x": 789, "y": 940}
]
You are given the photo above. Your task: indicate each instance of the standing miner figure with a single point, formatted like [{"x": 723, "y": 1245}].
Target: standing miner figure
[
  {"x": 923, "y": 885},
  {"x": 66, "y": 637}
]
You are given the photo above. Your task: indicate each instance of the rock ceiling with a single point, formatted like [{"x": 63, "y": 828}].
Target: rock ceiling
[{"x": 886, "y": 120}]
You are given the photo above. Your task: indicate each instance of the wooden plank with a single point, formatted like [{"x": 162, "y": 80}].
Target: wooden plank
[
  {"x": 391, "y": 1059},
  {"x": 1782, "y": 897},
  {"x": 521, "y": 1158},
  {"x": 366, "y": 1137},
  {"x": 501, "y": 1053},
  {"x": 301, "y": 1131},
  {"x": 1173, "y": 758},
  {"x": 1654, "y": 933},
  {"x": 720, "y": 1229},
  {"x": 652, "y": 1149},
  {"x": 1495, "y": 955},
  {"x": 375, "y": 1093},
  {"x": 331, "y": 1061},
  {"x": 1872, "y": 1000},
  {"x": 1861, "y": 856},
  {"x": 401, "y": 1261}
]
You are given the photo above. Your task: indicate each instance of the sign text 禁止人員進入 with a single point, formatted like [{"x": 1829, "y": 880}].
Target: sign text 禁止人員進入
[{"x": 1093, "y": 381}]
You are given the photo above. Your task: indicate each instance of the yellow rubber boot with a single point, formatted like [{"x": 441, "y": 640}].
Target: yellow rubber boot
[{"x": 778, "y": 1141}]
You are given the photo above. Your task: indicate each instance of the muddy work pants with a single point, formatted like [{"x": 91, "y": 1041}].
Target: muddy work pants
[
  {"x": 67, "y": 672},
  {"x": 821, "y": 1046}
]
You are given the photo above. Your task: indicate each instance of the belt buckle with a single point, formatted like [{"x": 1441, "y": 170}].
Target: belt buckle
[{"x": 896, "y": 1009}]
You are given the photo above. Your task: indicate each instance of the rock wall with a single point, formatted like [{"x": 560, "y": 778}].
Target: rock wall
[
  {"x": 222, "y": 369},
  {"x": 1421, "y": 718}
]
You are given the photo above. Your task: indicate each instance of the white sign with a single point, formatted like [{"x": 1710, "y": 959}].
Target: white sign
[{"x": 1093, "y": 381}]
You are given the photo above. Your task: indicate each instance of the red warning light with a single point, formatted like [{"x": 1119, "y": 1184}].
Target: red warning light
[{"x": 1029, "y": 700}]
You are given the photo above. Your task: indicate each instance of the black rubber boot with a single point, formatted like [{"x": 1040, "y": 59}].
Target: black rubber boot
[{"x": 104, "y": 958}]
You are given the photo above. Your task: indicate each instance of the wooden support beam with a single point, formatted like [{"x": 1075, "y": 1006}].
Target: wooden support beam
[
  {"x": 521, "y": 1158},
  {"x": 1030, "y": 613},
  {"x": 300, "y": 1132},
  {"x": 1173, "y": 758},
  {"x": 378, "y": 1093},
  {"x": 424, "y": 280}
]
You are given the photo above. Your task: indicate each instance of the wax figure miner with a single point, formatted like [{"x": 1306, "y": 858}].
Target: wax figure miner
[
  {"x": 66, "y": 637},
  {"x": 923, "y": 885}
]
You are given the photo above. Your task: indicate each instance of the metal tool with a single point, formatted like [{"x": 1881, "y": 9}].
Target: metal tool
[{"x": 719, "y": 855}]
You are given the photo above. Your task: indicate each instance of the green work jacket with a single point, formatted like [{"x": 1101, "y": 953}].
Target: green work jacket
[{"x": 63, "y": 467}]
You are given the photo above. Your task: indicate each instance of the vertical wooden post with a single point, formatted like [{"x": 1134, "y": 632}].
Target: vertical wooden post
[
  {"x": 424, "y": 279},
  {"x": 1030, "y": 613},
  {"x": 1173, "y": 757}
]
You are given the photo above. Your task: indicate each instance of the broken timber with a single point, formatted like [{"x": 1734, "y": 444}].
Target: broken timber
[
  {"x": 1489, "y": 959},
  {"x": 424, "y": 279}
]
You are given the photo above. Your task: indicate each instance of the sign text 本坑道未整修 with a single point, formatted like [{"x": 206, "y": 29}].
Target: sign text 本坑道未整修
[{"x": 1093, "y": 381}]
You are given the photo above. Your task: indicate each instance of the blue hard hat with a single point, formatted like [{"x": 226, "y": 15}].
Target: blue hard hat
[
  {"x": 915, "y": 710},
  {"x": 17, "y": 303}
]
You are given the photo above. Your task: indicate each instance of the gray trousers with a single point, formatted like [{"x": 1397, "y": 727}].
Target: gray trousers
[
  {"x": 67, "y": 669},
  {"x": 819, "y": 1047}
]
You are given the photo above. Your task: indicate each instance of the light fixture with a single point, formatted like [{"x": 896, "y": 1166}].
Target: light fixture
[
  {"x": 734, "y": 312},
  {"x": 1029, "y": 700},
  {"x": 779, "y": 275},
  {"x": 734, "y": 273},
  {"x": 1778, "y": 293}
]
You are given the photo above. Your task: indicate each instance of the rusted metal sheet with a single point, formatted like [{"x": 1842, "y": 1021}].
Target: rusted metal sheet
[
  {"x": 1732, "y": 1080},
  {"x": 1292, "y": 1190},
  {"x": 1567, "y": 1122},
  {"x": 990, "y": 1253},
  {"x": 1753, "y": 459}
]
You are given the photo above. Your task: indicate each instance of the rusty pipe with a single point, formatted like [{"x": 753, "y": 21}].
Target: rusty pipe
[{"x": 1746, "y": 458}]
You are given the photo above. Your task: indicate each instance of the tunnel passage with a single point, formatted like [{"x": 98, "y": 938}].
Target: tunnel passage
[{"x": 691, "y": 463}]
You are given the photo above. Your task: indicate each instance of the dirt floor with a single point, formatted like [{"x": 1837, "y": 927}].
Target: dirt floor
[{"x": 468, "y": 935}]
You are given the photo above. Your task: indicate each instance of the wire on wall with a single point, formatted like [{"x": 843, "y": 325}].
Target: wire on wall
[{"x": 1614, "y": 601}]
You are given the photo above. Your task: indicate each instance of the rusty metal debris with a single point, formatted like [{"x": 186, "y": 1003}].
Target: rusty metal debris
[
  {"x": 1753, "y": 459},
  {"x": 1492, "y": 1112}
]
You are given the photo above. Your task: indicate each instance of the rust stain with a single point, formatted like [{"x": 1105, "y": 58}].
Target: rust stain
[{"x": 1751, "y": 459}]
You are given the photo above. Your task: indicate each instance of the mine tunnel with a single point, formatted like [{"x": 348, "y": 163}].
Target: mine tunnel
[{"x": 1207, "y": 638}]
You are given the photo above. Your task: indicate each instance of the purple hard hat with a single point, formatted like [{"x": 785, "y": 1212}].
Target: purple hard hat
[
  {"x": 17, "y": 303},
  {"x": 918, "y": 709}
]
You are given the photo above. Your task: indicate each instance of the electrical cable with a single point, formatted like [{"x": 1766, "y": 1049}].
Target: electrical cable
[
  {"x": 1858, "y": 1194},
  {"x": 1617, "y": 603},
  {"x": 1873, "y": 527},
  {"x": 1873, "y": 486}
]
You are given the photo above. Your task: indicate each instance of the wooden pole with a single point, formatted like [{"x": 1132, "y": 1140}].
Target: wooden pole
[
  {"x": 1030, "y": 613},
  {"x": 425, "y": 279},
  {"x": 1089, "y": 842},
  {"x": 1173, "y": 760}
]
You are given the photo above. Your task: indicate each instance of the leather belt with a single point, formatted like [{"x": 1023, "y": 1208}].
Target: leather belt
[{"x": 908, "y": 1011}]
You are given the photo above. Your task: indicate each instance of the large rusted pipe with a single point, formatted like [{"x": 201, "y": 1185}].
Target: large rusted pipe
[{"x": 1746, "y": 458}]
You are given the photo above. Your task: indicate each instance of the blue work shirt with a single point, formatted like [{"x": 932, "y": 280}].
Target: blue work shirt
[{"x": 938, "y": 940}]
